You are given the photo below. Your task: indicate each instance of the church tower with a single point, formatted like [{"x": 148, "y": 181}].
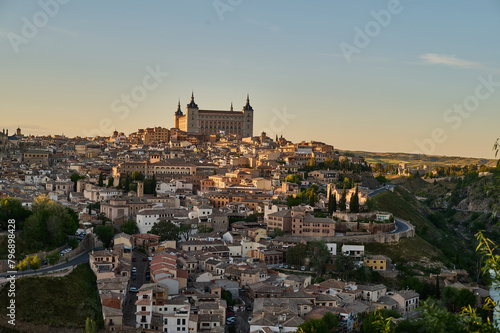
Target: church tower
[
  {"x": 192, "y": 116},
  {"x": 177, "y": 115},
  {"x": 247, "y": 129}
]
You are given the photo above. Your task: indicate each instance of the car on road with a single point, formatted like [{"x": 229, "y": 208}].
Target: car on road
[
  {"x": 134, "y": 269},
  {"x": 133, "y": 290},
  {"x": 134, "y": 259},
  {"x": 248, "y": 308},
  {"x": 144, "y": 259},
  {"x": 249, "y": 319},
  {"x": 303, "y": 268},
  {"x": 230, "y": 320}
]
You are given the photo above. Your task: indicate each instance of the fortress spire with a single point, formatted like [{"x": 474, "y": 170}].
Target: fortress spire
[
  {"x": 192, "y": 104},
  {"x": 247, "y": 106}
]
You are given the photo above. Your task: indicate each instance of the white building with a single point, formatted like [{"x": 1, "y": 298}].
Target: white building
[
  {"x": 332, "y": 248},
  {"x": 147, "y": 217},
  {"x": 155, "y": 311},
  {"x": 174, "y": 186},
  {"x": 356, "y": 251}
]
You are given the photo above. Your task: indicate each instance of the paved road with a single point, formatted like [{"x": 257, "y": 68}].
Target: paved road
[
  {"x": 380, "y": 190},
  {"x": 79, "y": 259},
  {"x": 129, "y": 307},
  {"x": 401, "y": 226},
  {"x": 242, "y": 325}
]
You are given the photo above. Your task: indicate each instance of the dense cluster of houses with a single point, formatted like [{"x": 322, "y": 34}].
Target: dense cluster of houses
[{"x": 231, "y": 193}]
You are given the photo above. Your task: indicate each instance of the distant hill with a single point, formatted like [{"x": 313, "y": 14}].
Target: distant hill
[
  {"x": 414, "y": 160},
  {"x": 436, "y": 237}
]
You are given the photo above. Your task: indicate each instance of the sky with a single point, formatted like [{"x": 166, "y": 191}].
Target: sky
[{"x": 382, "y": 76}]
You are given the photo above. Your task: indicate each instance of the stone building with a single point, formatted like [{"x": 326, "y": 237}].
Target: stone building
[{"x": 208, "y": 122}]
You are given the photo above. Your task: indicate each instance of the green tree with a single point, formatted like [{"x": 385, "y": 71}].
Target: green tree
[
  {"x": 228, "y": 297},
  {"x": 343, "y": 201},
  {"x": 332, "y": 203},
  {"x": 100, "y": 182},
  {"x": 22, "y": 265},
  {"x": 204, "y": 229},
  {"x": 11, "y": 208},
  {"x": 312, "y": 199},
  {"x": 130, "y": 227},
  {"x": 379, "y": 321},
  {"x": 73, "y": 243},
  {"x": 35, "y": 262},
  {"x": 278, "y": 232},
  {"x": 344, "y": 265},
  {"x": 319, "y": 255},
  {"x": 313, "y": 326},
  {"x": 126, "y": 183},
  {"x": 153, "y": 184},
  {"x": 293, "y": 201},
  {"x": 136, "y": 175},
  {"x": 185, "y": 231},
  {"x": 90, "y": 326},
  {"x": 105, "y": 233},
  {"x": 295, "y": 178},
  {"x": 52, "y": 258},
  {"x": 166, "y": 230},
  {"x": 297, "y": 255},
  {"x": 331, "y": 321},
  {"x": 354, "y": 204},
  {"x": 111, "y": 181},
  {"x": 74, "y": 178},
  {"x": 251, "y": 218},
  {"x": 50, "y": 223}
]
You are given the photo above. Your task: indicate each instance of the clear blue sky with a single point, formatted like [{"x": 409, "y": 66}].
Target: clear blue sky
[{"x": 286, "y": 54}]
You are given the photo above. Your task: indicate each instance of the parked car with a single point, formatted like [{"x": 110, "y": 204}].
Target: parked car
[
  {"x": 249, "y": 319},
  {"x": 144, "y": 259},
  {"x": 248, "y": 308},
  {"x": 134, "y": 269},
  {"x": 303, "y": 268},
  {"x": 133, "y": 290},
  {"x": 134, "y": 259}
]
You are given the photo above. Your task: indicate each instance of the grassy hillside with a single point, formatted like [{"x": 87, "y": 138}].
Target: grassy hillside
[
  {"x": 437, "y": 238},
  {"x": 408, "y": 249},
  {"x": 58, "y": 302}
]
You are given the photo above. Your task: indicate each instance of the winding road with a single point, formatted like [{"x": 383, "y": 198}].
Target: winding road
[{"x": 79, "y": 259}]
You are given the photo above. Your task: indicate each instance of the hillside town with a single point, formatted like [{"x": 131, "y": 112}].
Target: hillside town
[{"x": 226, "y": 233}]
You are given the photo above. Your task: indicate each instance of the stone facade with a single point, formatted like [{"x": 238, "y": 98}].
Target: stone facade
[{"x": 209, "y": 122}]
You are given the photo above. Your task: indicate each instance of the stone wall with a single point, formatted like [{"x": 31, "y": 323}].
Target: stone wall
[
  {"x": 359, "y": 239},
  {"x": 371, "y": 227}
]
